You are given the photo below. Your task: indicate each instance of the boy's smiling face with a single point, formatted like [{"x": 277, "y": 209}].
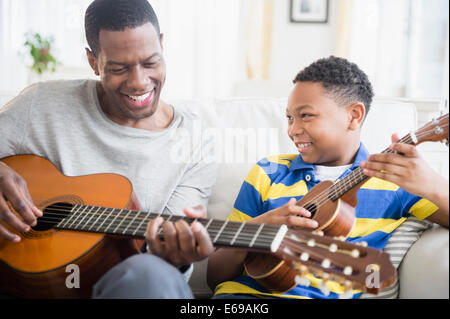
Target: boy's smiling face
[{"x": 323, "y": 132}]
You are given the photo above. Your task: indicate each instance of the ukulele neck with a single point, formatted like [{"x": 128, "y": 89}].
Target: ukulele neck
[{"x": 355, "y": 179}]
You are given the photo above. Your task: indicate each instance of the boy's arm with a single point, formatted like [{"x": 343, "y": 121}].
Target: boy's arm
[
  {"x": 413, "y": 174},
  {"x": 226, "y": 263}
]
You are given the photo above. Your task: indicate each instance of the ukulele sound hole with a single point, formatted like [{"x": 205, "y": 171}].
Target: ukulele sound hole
[
  {"x": 312, "y": 208},
  {"x": 53, "y": 214}
]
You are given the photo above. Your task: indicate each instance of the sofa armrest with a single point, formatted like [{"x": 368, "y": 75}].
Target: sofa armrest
[{"x": 424, "y": 272}]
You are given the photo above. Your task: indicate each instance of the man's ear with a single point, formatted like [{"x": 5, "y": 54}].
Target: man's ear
[
  {"x": 92, "y": 61},
  {"x": 161, "y": 38},
  {"x": 356, "y": 114}
]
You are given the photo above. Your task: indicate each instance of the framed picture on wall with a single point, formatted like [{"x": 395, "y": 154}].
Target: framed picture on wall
[{"x": 309, "y": 11}]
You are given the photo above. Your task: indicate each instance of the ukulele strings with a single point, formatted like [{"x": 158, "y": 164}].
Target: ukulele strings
[
  {"x": 324, "y": 195},
  {"x": 319, "y": 199}
]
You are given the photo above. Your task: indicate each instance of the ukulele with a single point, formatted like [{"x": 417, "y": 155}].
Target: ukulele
[
  {"x": 94, "y": 222},
  {"x": 332, "y": 205}
]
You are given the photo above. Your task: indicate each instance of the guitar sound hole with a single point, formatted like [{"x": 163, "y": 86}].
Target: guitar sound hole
[
  {"x": 53, "y": 214},
  {"x": 312, "y": 208}
]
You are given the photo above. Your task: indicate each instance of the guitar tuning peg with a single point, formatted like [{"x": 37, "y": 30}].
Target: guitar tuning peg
[
  {"x": 326, "y": 263},
  {"x": 348, "y": 270},
  {"x": 304, "y": 256},
  {"x": 302, "y": 281},
  {"x": 301, "y": 278},
  {"x": 355, "y": 253},
  {"x": 318, "y": 232},
  {"x": 340, "y": 238},
  {"x": 333, "y": 248},
  {"x": 323, "y": 284},
  {"x": 324, "y": 288},
  {"x": 348, "y": 290},
  {"x": 311, "y": 242},
  {"x": 362, "y": 243}
]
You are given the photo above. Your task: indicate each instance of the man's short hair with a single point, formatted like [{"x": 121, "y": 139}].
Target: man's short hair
[
  {"x": 116, "y": 15},
  {"x": 343, "y": 80}
]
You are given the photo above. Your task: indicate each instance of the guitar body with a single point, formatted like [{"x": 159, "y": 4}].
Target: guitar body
[
  {"x": 334, "y": 218},
  {"x": 36, "y": 266}
]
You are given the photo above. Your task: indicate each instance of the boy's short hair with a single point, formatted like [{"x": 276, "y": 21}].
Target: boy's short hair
[
  {"x": 343, "y": 80},
  {"x": 116, "y": 15}
]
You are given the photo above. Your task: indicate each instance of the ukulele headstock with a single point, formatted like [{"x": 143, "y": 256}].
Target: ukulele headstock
[
  {"x": 355, "y": 266},
  {"x": 434, "y": 131}
]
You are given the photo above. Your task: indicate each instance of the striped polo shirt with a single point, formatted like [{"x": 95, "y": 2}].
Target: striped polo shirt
[{"x": 382, "y": 207}]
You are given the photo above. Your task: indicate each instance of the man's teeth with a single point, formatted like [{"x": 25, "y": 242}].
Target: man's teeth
[
  {"x": 302, "y": 145},
  {"x": 139, "y": 98}
]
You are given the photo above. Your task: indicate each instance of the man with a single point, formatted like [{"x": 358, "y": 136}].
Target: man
[{"x": 115, "y": 125}]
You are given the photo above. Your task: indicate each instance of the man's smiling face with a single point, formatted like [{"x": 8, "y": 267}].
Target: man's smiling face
[{"x": 132, "y": 72}]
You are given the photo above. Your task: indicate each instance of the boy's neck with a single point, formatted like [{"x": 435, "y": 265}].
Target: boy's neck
[
  {"x": 353, "y": 150},
  {"x": 349, "y": 154}
]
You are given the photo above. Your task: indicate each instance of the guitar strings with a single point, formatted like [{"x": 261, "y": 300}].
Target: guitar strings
[
  {"x": 316, "y": 198},
  {"x": 319, "y": 197},
  {"x": 243, "y": 239},
  {"x": 268, "y": 233}
]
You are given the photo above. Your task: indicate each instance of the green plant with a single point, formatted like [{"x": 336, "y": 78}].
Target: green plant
[{"x": 40, "y": 50}]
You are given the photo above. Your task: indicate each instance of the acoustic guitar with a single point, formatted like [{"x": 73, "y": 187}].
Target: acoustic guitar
[
  {"x": 94, "y": 222},
  {"x": 332, "y": 205}
]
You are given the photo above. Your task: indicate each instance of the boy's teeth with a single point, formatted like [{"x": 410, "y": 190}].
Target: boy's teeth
[
  {"x": 139, "y": 98},
  {"x": 303, "y": 145}
]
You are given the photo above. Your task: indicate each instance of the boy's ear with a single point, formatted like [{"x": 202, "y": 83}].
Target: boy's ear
[
  {"x": 356, "y": 114},
  {"x": 92, "y": 61}
]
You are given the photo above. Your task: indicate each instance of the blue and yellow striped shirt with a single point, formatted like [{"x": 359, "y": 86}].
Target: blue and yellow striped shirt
[{"x": 382, "y": 207}]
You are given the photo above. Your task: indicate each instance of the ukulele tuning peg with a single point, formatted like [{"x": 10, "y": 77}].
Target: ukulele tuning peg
[
  {"x": 362, "y": 243},
  {"x": 348, "y": 290},
  {"x": 340, "y": 238}
]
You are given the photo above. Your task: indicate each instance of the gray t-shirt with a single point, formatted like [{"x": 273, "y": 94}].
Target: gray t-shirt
[{"x": 63, "y": 122}]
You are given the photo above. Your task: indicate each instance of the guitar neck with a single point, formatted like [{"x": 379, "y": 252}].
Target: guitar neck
[
  {"x": 132, "y": 223},
  {"x": 357, "y": 177}
]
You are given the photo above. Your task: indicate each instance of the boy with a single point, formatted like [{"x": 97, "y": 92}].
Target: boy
[{"x": 325, "y": 111}]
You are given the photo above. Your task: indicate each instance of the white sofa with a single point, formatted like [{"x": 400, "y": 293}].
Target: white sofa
[{"x": 248, "y": 129}]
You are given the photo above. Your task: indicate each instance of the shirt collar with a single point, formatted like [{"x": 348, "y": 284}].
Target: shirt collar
[{"x": 299, "y": 164}]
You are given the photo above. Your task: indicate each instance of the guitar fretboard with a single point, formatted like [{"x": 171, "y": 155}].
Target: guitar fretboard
[{"x": 132, "y": 223}]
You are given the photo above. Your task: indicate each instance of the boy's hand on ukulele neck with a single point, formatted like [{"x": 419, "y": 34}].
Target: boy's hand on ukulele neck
[
  {"x": 289, "y": 214},
  {"x": 405, "y": 168}
]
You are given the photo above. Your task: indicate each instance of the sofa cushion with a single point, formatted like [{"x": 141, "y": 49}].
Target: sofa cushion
[
  {"x": 424, "y": 272},
  {"x": 397, "y": 247}
]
